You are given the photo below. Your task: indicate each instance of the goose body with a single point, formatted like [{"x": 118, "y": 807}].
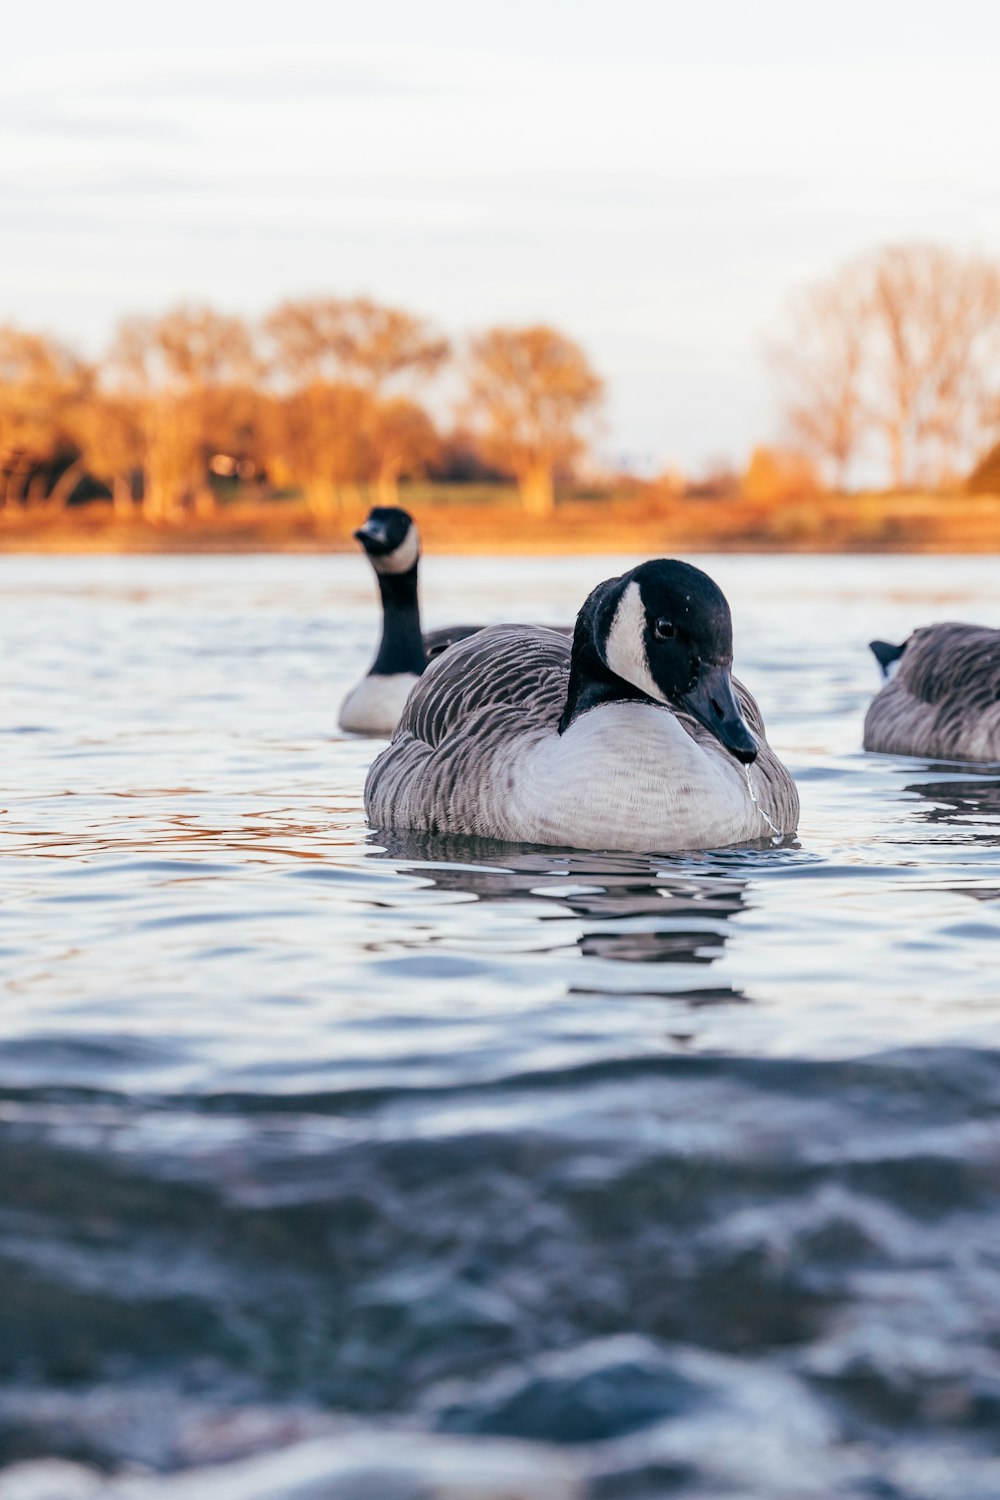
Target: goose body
[
  {"x": 517, "y": 735},
  {"x": 373, "y": 705},
  {"x": 941, "y": 696}
]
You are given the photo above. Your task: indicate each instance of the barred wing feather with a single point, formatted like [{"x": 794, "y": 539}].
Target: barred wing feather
[{"x": 449, "y": 763}]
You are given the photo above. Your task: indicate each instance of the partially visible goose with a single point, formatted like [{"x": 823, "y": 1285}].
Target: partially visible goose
[
  {"x": 392, "y": 543},
  {"x": 635, "y": 737},
  {"x": 941, "y": 696}
]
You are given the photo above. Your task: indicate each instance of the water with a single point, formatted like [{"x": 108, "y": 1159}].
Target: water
[{"x": 690, "y": 1165}]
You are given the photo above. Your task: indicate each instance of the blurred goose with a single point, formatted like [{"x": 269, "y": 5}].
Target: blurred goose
[
  {"x": 633, "y": 737},
  {"x": 392, "y": 543},
  {"x": 941, "y": 695}
]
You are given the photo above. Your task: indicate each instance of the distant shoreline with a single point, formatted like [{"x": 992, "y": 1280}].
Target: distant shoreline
[{"x": 654, "y": 523}]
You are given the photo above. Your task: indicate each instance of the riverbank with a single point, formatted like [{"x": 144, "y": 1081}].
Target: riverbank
[{"x": 491, "y": 521}]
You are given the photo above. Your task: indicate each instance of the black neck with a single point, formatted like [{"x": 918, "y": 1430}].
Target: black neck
[
  {"x": 591, "y": 681},
  {"x": 401, "y": 648}
]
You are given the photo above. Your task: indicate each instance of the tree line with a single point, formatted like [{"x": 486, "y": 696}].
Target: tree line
[
  {"x": 323, "y": 395},
  {"x": 893, "y": 364}
]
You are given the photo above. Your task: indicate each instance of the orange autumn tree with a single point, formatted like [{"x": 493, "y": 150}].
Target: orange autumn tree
[
  {"x": 114, "y": 444},
  {"x": 529, "y": 393},
  {"x": 353, "y": 339},
  {"x": 404, "y": 441},
  {"x": 191, "y": 375},
  {"x": 776, "y": 474},
  {"x": 339, "y": 422},
  {"x": 317, "y": 436},
  {"x": 44, "y": 388}
]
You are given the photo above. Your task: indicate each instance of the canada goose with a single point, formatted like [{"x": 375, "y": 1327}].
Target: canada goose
[
  {"x": 941, "y": 695},
  {"x": 635, "y": 737},
  {"x": 392, "y": 543}
]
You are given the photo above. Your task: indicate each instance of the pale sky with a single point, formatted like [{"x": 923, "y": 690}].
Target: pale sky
[{"x": 653, "y": 178}]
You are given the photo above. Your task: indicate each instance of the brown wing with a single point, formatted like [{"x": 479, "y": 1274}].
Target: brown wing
[{"x": 449, "y": 758}]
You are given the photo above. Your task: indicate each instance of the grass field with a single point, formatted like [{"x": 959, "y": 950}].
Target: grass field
[{"x": 488, "y": 518}]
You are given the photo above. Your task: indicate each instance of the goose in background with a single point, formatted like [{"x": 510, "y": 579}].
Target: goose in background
[
  {"x": 635, "y": 736},
  {"x": 392, "y": 543},
  {"x": 941, "y": 695}
]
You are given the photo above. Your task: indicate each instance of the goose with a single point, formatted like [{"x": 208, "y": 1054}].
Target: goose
[
  {"x": 392, "y": 543},
  {"x": 635, "y": 737},
  {"x": 941, "y": 695}
]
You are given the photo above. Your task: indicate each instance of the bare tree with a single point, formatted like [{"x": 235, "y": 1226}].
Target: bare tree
[
  {"x": 936, "y": 357},
  {"x": 819, "y": 366},
  {"x": 529, "y": 392},
  {"x": 901, "y": 347}
]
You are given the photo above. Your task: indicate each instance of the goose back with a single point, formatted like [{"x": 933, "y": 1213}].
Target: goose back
[
  {"x": 944, "y": 700},
  {"x": 436, "y": 641}
]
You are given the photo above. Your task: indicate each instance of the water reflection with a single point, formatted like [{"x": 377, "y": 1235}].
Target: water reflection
[
  {"x": 633, "y": 909},
  {"x": 969, "y": 800}
]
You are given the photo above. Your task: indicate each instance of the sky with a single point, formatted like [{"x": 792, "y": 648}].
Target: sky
[{"x": 655, "y": 179}]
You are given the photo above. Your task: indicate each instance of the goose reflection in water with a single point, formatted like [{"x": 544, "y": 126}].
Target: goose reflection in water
[
  {"x": 968, "y": 801},
  {"x": 635, "y": 909}
]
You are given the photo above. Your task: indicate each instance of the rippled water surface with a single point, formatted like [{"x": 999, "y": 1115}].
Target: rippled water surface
[{"x": 690, "y": 1163}]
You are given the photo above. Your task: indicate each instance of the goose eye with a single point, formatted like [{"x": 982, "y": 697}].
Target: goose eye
[{"x": 663, "y": 629}]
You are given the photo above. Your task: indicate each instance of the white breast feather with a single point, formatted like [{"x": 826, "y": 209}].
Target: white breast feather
[{"x": 628, "y": 776}]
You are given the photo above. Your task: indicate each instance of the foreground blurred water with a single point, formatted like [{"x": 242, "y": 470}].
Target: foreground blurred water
[{"x": 691, "y": 1163}]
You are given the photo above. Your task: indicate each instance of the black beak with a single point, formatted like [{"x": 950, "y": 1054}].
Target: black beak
[
  {"x": 372, "y": 536},
  {"x": 712, "y": 701},
  {"x": 885, "y": 655}
]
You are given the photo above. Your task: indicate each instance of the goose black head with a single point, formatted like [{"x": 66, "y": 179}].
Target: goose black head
[
  {"x": 888, "y": 657},
  {"x": 390, "y": 538},
  {"x": 665, "y": 630}
]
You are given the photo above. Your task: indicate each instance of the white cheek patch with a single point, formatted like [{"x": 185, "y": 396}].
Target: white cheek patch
[
  {"x": 405, "y": 555},
  {"x": 891, "y": 668},
  {"x": 625, "y": 647}
]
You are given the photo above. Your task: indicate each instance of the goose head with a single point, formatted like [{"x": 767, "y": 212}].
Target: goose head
[
  {"x": 390, "y": 538},
  {"x": 661, "y": 632}
]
